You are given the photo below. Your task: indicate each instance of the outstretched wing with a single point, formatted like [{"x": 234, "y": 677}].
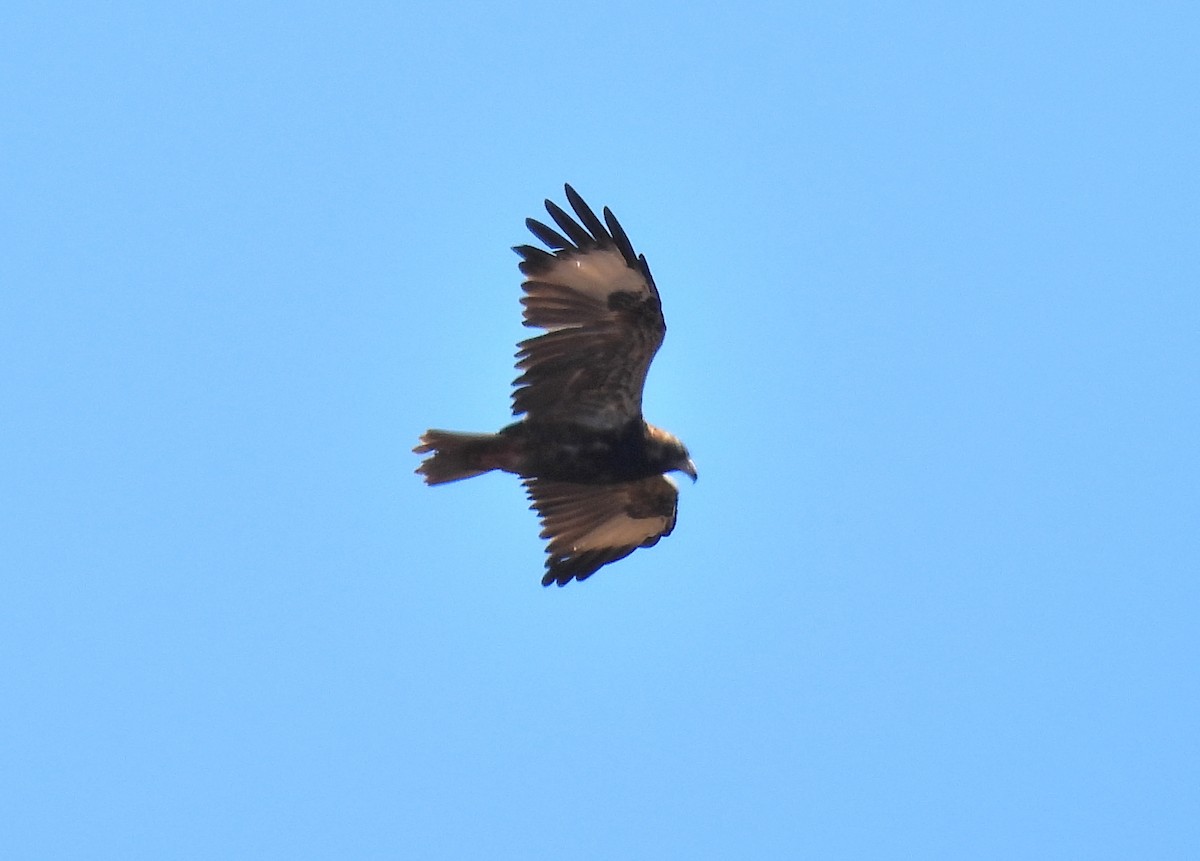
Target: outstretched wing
[
  {"x": 590, "y": 525},
  {"x": 604, "y": 321}
]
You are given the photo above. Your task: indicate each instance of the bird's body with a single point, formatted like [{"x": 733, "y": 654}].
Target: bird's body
[
  {"x": 556, "y": 450},
  {"x": 594, "y": 468}
]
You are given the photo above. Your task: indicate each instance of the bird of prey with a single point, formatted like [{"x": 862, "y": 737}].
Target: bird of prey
[{"x": 594, "y": 469}]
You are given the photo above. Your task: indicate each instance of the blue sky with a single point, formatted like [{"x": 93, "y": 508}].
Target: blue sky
[{"x": 930, "y": 273}]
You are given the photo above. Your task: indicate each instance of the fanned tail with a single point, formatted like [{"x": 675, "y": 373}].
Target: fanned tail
[{"x": 458, "y": 455}]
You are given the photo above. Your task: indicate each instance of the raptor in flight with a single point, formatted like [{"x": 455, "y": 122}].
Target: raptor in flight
[{"x": 593, "y": 467}]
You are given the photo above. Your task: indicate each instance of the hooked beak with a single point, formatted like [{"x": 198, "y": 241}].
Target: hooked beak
[{"x": 690, "y": 469}]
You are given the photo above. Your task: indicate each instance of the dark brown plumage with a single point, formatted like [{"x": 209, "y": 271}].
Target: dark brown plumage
[{"x": 591, "y": 464}]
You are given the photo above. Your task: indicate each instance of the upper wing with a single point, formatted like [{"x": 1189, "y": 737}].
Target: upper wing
[
  {"x": 604, "y": 321},
  {"x": 590, "y": 525}
]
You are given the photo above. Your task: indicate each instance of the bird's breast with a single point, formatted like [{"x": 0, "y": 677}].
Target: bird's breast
[{"x": 579, "y": 454}]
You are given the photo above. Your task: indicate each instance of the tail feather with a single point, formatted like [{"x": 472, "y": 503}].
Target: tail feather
[{"x": 457, "y": 455}]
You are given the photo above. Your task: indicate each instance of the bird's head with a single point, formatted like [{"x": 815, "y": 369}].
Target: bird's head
[{"x": 666, "y": 452}]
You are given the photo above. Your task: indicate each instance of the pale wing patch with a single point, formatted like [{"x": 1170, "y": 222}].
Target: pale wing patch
[
  {"x": 596, "y": 273},
  {"x": 620, "y": 531}
]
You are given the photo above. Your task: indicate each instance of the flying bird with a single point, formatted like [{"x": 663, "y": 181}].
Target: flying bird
[{"x": 592, "y": 466}]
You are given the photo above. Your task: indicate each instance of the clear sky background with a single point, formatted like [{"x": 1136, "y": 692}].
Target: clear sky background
[{"x": 932, "y": 280}]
